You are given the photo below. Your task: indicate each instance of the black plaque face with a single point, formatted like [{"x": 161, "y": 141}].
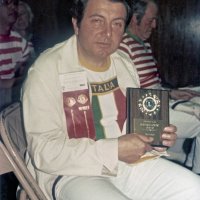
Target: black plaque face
[{"x": 147, "y": 112}]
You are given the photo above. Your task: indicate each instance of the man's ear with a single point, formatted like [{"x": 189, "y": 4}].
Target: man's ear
[{"x": 74, "y": 22}]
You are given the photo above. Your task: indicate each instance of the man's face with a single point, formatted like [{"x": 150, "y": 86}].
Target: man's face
[
  {"x": 148, "y": 22},
  {"x": 101, "y": 29},
  {"x": 23, "y": 19},
  {"x": 8, "y": 11}
]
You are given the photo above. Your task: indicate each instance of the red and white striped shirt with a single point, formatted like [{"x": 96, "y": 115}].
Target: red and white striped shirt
[
  {"x": 14, "y": 51},
  {"x": 143, "y": 59}
]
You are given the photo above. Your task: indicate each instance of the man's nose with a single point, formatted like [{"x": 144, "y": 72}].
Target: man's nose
[
  {"x": 108, "y": 30},
  {"x": 154, "y": 23}
]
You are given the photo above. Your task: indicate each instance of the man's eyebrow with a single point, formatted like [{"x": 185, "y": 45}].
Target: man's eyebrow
[
  {"x": 101, "y": 16},
  {"x": 96, "y": 15},
  {"x": 120, "y": 18},
  {"x": 154, "y": 17}
]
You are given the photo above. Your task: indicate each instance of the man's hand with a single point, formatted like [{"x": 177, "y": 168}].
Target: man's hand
[
  {"x": 168, "y": 137},
  {"x": 133, "y": 146},
  {"x": 183, "y": 94}
]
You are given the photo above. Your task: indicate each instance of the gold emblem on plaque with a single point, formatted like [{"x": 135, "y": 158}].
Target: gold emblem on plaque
[{"x": 149, "y": 104}]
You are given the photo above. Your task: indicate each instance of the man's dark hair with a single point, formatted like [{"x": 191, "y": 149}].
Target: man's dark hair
[
  {"x": 5, "y": 2},
  {"x": 139, "y": 7},
  {"x": 77, "y": 9}
]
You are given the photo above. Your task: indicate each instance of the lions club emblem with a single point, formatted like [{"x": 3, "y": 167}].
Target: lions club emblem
[{"x": 149, "y": 104}]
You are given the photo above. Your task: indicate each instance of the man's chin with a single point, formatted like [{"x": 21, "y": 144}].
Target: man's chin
[
  {"x": 12, "y": 22},
  {"x": 148, "y": 36},
  {"x": 103, "y": 52},
  {"x": 12, "y": 19}
]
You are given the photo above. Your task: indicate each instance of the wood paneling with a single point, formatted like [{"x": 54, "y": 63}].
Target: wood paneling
[{"x": 176, "y": 42}]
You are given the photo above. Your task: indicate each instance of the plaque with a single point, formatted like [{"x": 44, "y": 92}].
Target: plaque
[{"x": 147, "y": 112}]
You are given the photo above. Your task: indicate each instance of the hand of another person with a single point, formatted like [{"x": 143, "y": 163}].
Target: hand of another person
[
  {"x": 133, "y": 146},
  {"x": 168, "y": 137},
  {"x": 182, "y": 94}
]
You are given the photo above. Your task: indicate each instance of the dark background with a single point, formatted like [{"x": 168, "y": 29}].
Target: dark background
[{"x": 176, "y": 41}]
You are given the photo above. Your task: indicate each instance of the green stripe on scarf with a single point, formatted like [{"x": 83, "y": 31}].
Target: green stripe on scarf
[{"x": 97, "y": 117}]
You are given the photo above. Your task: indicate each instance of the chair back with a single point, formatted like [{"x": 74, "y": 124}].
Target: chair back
[{"x": 13, "y": 147}]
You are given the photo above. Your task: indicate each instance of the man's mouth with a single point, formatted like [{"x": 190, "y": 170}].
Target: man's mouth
[
  {"x": 103, "y": 44},
  {"x": 13, "y": 14}
]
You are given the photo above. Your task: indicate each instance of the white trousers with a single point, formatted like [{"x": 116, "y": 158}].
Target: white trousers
[
  {"x": 188, "y": 127},
  {"x": 157, "y": 179}
]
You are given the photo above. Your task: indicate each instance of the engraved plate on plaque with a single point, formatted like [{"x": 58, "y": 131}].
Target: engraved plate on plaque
[{"x": 147, "y": 112}]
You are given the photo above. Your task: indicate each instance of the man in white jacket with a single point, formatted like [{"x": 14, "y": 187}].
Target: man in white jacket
[{"x": 74, "y": 112}]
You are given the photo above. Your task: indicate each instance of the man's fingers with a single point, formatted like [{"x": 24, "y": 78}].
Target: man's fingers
[{"x": 145, "y": 138}]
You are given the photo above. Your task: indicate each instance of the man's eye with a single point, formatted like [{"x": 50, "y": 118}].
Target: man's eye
[
  {"x": 96, "y": 20},
  {"x": 152, "y": 20},
  {"x": 118, "y": 24}
]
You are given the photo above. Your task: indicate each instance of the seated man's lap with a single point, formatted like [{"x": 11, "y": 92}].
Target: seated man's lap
[{"x": 153, "y": 179}]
